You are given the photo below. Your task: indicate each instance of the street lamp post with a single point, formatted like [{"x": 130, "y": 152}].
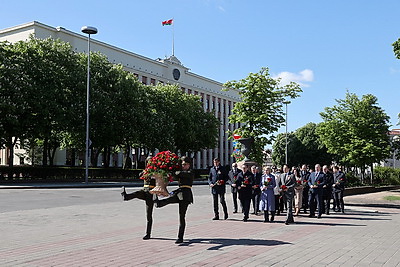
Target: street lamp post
[
  {"x": 286, "y": 134},
  {"x": 88, "y": 30}
]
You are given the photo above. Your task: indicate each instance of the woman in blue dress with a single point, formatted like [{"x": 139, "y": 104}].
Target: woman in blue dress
[{"x": 267, "y": 202}]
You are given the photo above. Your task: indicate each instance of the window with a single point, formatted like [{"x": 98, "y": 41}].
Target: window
[
  {"x": 144, "y": 79},
  {"x": 153, "y": 81},
  {"x": 189, "y": 91}
]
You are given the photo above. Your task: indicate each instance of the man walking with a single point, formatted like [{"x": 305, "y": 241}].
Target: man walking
[
  {"x": 217, "y": 179},
  {"x": 233, "y": 176},
  {"x": 316, "y": 183},
  {"x": 339, "y": 181},
  {"x": 287, "y": 184}
]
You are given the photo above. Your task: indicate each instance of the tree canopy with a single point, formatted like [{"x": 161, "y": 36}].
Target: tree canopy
[
  {"x": 261, "y": 112},
  {"x": 356, "y": 130}
]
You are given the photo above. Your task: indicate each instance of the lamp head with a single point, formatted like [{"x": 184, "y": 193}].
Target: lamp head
[{"x": 89, "y": 30}]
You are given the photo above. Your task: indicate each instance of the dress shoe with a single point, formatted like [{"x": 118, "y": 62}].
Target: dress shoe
[
  {"x": 311, "y": 216},
  {"x": 245, "y": 219},
  {"x": 179, "y": 240},
  {"x": 287, "y": 223},
  {"x": 319, "y": 217},
  {"x": 272, "y": 218},
  {"x": 216, "y": 218},
  {"x": 235, "y": 211},
  {"x": 226, "y": 216},
  {"x": 146, "y": 237},
  {"x": 266, "y": 221}
]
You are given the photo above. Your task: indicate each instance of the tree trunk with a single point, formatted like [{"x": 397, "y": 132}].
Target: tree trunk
[
  {"x": 44, "y": 159},
  {"x": 372, "y": 173},
  {"x": 128, "y": 159},
  {"x": 11, "y": 145}
]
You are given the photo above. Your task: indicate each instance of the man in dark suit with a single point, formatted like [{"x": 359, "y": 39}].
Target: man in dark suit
[
  {"x": 256, "y": 191},
  {"x": 305, "y": 174},
  {"x": 316, "y": 183},
  {"x": 233, "y": 176},
  {"x": 327, "y": 189},
  {"x": 217, "y": 179},
  {"x": 244, "y": 184},
  {"x": 287, "y": 184},
  {"x": 339, "y": 181}
]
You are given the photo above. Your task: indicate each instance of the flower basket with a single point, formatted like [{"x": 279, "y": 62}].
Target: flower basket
[
  {"x": 160, "y": 168},
  {"x": 161, "y": 186}
]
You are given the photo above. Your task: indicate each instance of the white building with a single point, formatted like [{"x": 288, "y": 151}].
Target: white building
[{"x": 148, "y": 71}]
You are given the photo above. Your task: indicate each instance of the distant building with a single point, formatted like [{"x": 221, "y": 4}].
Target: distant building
[
  {"x": 150, "y": 72},
  {"x": 393, "y": 162}
]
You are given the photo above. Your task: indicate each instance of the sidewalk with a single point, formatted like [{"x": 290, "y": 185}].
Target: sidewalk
[{"x": 110, "y": 234}]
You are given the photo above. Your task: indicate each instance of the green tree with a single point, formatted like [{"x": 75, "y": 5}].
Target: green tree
[
  {"x": 14, "y": 104},
  {"x": 56, "y": 82},
  {"x": 356, "y": 130},
  {"x": 261, "y": 112}
]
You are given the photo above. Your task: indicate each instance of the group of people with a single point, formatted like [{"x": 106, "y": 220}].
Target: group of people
[
  {"x": 274, "y": 190},
  {"x": 269, "y": 192}
]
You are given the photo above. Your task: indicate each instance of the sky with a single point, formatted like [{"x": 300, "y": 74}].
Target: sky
[{"x": 328, "y": 47}]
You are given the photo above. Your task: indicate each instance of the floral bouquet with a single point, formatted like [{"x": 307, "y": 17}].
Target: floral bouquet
[
  {"x": 246, "y": 181},
  {"x": 283, "y": 187},
  {"x": 220, "y": 182},
  {"x": 268, "y": 181},
  {"x": 161, "y": 167},
  {"x": 317, "y": 183}
]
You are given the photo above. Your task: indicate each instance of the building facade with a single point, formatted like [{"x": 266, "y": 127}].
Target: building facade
[{"x": 148, "y": 71}]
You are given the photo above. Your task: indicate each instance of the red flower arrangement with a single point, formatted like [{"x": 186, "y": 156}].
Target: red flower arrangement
[
  {"x": 246, "y": 181},
  {"x": 220, "y": 182},
  {"x": 283, "y": 187},
  {"x": 164, "y": 163},
  {"x": 268, "y": 181},
  {"x": 317, "y": 183}
]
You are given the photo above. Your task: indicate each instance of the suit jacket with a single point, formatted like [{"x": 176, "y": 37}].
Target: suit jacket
[
  {"x": 217, "y": 174},
  {"x": 289, "y": 180},
  {"x": 339, "y": 180},
  {"x": 257, "y": 182},
  {"x": 328, "y": 182},
  {"x": 316, "y": 179},
  {"x": 305, "y": 175},
  {"x": 232, "y": 177},
  {"x": 244, "y": 184}
]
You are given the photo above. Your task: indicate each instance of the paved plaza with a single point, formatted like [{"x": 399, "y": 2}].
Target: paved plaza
[{"x": 94, "y": 227}]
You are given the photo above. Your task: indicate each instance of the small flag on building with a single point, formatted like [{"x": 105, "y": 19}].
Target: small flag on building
[{"x": 167, "y": 22}]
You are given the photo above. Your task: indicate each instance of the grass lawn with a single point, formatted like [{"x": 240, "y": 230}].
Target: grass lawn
[{"x": 392, "y": 198}]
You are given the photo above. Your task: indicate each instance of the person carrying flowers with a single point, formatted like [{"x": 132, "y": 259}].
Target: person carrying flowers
[
  {"x": 267, "y": 200},
  {"x": 217, "y": 179},
  {"x": 183, "y": 195},
  {"x": 144, "y": 194},
  {"x": 244, "y": 184}
]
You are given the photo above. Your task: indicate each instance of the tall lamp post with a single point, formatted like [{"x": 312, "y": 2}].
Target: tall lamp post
[
  {"x": 88, "y": 30},
  {"x": 286, "y": 132}
]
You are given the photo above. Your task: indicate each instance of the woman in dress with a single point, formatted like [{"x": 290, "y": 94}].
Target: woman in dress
[
  {"x": 267, "y": 201},
  {"x": 298, "y": 191}
]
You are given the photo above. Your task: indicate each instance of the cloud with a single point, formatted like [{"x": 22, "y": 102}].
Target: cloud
[
  {"x": 302, "y": 78},
  {"x": 221, "y": 8}
]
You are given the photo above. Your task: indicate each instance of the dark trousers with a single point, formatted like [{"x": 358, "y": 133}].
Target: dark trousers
[
  {"x": 277, "y": 204},
  {"x": 255, "y": 198},
  {"x": 148, "y": 198},
  {"x": 315, "y": 196},
  {"x": 327, "y": 196},
  {"x": 305, "y": 198},
  {"x": 183, "y": 206},
  {"x": 338, "y": 202},
  {"x": 246, "y": 206},
  {"x": 222, "y": 201},
  {"x": 235, "y": 202}
]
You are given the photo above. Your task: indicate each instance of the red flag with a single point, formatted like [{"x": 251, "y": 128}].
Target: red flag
[{"x": 167, "y": 22}]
